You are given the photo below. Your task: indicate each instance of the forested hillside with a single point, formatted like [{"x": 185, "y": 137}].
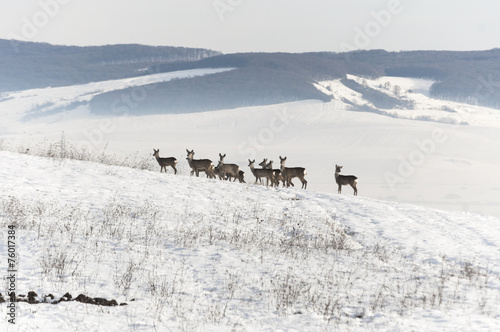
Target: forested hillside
[
  {"x": 26, "y": 65},
  {"x": 258, "y": 78},
  {"x": 268, "y": 78}
]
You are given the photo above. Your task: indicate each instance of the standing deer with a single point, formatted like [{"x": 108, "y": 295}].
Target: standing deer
[
  {"x": 231, "y": 170},
  {"x": 289, "y": 173},
  {"x": 260, "y": 173},
  {"x": 198, "y": 165},
  {"x": 164, "y": 162},
  {"x": 263, "y": 164},
  {"x": 343, "y": 180},
  {"x": 241, "y": 177},
  {"x": 218, "y": 172},
  {"x": 276, "y": 172}
]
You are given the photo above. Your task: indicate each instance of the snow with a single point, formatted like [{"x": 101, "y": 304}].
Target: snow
[
  {"x": 396, "y": 158},
  {"x": 416, "y": 250},
  {"x": 210, "y": 255},
  {"x": 18, "y": 105}
]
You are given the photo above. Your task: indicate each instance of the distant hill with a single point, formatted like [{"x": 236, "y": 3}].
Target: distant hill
[
  {"x": 26, "y": 65},
  {"x": 258, "y": 78},
  {"x": 268, "y": 78}
]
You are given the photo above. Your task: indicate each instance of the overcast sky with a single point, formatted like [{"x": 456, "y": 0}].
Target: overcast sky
[{"x": 258, "y": 25}]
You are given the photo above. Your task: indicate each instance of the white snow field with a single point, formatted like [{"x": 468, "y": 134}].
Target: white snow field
[
  {"x": 197, "y": 254},
  {"x": 449, "y": 161},
  {"x": 189, "y": 253}
]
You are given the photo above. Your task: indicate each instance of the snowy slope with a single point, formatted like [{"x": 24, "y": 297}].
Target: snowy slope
[
  {"x": 189, "y": 253},
  {"x": 36, "y": 103},
  {"x": 447, "y": 161}
]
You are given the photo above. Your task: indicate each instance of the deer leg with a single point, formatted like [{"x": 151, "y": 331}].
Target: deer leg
[
  {"x": 353, "y": 185},
  {"x": 340, "y": 189},
  {"x": 175, "y": 169}
]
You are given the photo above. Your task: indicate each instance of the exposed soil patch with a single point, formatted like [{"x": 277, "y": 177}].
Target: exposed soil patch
[{"x": 34, "y": 298}]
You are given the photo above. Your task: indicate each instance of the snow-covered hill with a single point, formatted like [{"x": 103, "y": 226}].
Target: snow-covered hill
[
  {"x": 189, "y": 253},
  {"x": 438, "y": 154}
]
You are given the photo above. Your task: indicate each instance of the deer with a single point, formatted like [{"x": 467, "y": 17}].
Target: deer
[
  {"x": 164, "y": 162},
  {"x": 260, "y": 172},
  {"x": 241, "y": 175},
  {"x": 289, "y": 173},
  {"x": 344, "y": 180},
  {"x": 217, "y": 172},
  {"x": 231, "y": 170},
  {"x": 198, "y": 165},
  {"x": 276, "y": 172}
]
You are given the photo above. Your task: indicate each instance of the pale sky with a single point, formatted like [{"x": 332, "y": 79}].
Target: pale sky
[{"x": 258, "y": 25}]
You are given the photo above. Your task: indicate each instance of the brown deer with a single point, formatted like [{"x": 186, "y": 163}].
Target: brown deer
[
  {"x": 344, "y": 180},
  {"x": 289, "y": 173},
  {"x": 260, "y": 173},
  {"x": 164, "y": 162},
  {"x": 241, "y": 175},
  {"x": 230, "y": 170},
  {"x": 198, "y": 165},
  {"x": 269, "y": 168},
  {"x": 277, "y": 172}
]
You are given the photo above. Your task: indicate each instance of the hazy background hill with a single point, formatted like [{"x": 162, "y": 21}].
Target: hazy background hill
[
  {"x": 257, "y": 78},
  {"x": 268, "y": 78},
  {"x": 27, "y": 65}
]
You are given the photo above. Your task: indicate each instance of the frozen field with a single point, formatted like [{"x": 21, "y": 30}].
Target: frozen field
[
  {"x": 187, "y": 253},
  {"x": 439, "y": 154}
]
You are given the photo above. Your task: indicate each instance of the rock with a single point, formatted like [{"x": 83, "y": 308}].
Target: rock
[
  {"x": 104, "y": 302},
  {"x": 32, "y": 297},
  {"x": 85, "y": 299}
]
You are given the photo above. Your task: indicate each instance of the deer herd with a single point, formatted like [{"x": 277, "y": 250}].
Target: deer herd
[{"x": 233, "y": 172}]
